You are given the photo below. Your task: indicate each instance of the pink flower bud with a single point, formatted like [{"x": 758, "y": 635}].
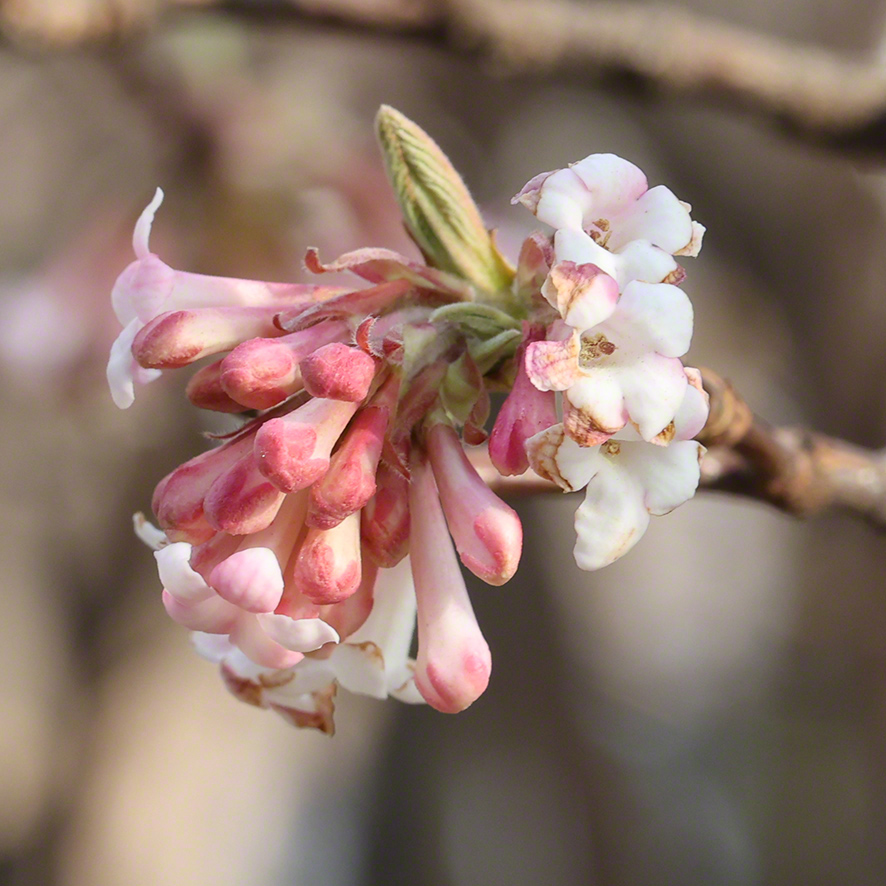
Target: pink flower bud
[
  {"x": 178, "y": 338},
  {"x": 293, "y": 451},
  {"x": 178, "y": 497},
  {"x": 328, "y": 566},
  {"x": 525, "y": 412},
  {"x": 487, "y": 533},
  {"x": 205, "y": 557},
  {"x": 350, "y": 481},
  {"x": 338, "y": 372},
  {"x": 262, "y": 373},
  {"x": 385, "y": 519},
  {"x": 205, "y": 390},
  {"x": 252, "y": 577},
  {"x": 241, "y": 500},
  {"x": 453, "y": 666}
]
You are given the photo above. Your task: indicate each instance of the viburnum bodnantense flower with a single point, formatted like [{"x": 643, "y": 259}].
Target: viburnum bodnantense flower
[{"x": 306, "y": 548}]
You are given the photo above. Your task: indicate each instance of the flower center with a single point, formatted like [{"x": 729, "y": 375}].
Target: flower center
[
  {"x": 594, "y": 347},
  {"x": 600, "y": 232}
]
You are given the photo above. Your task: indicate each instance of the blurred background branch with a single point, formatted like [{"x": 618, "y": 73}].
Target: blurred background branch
[{"x": 825, "y": 96}]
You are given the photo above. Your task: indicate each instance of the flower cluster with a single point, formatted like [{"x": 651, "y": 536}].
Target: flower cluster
[
  {"x": 304, "y": 549},
  {"x": 280, "y": 545},
  {"x": 612, "y": 349}
]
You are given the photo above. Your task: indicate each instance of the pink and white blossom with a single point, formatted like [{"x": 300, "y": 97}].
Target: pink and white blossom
[
  {"x": 307, "y": 549},
  {"x": 623, "y": 369},
  {"x": 606, "y": 214},
  {"x": 148, "y": 287},
  {"x": 626, "y": 479}
]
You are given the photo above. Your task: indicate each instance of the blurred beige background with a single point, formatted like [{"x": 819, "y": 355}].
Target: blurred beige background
[{"x": 710, "y": 710}]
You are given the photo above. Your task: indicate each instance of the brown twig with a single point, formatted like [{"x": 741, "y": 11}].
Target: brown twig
[
  {"x": 820, "y": 93},
  {"x": 800, "y": 472}
]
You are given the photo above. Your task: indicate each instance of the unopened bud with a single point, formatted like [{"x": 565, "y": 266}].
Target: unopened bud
[
  {"x": 293, "y": 451},
  {"x": 338, "y": 372},
  {"x": 178, "y": 338},
  {"x": 438, "y": 209}
]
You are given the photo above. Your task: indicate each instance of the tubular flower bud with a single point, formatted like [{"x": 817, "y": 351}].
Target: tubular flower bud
[
  {"x": 293, "y": 451},
  {"x": 328, "y": 566},
  {"x": 182, "y": 337},
  {"x": 453, "y": 665},
  {"x": 261, "y": 373},
  {"x": 338, "y": 372},
  {"x": 306, "y": 550},
  {"x": 525, "y": 412},
  {"x": 487, "y": 533}
]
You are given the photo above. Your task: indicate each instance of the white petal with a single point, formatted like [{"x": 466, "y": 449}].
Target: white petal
[
  {"x": 656, "y": 315},
  {"x": 561, "y": 200},
  {"x": 640, "y": 260},
  {"x": 148, "y": 533},
  {"x": 121, "y": 366},
  {"x": 576, "y": 246},
  {"x": 612, "y": 518},
  {"x": 297, "y": 634},
  {"x": 177, "y": 576},
  {"x": 360, "y": 668},
  {"x": 657, "y": 216},
  {"x": 693, "y": 411},
  {"x": 613, "y": 182},
  {"x": 600, "y": 396},
  {"x": 253, "y": 641},
  {"x": 309, "y": 675},
  {"x": 669, "y": 474},
  {"x": 142, "y": 231},
  {"x": 577, "y": 464},
  {"x": 653, "y": 387},
  {"x": 391, "y": 623}
]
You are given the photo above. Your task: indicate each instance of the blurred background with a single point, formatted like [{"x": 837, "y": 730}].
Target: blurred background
[{"x": 710, "y": 710}]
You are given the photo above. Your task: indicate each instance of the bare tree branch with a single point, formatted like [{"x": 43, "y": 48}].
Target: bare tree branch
[
  {"x": 819, "y": 93},
  {"x": 798, "y": 471}
]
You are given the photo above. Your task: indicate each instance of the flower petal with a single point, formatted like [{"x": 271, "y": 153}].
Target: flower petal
[
  {"x": 582, "y": 293},
  {"x": 656, "y": 315},
  {"x": 653, "y": 387},
  {"x": 177, "y": 576},
  {"x": 693, "y": 412},
  {"x": 669, "y": 474},
  {"x": 297, "y": 634},
  {"x": 612, "y": 518},
  {"x": 657, "y": 216},
  {"x": 142, "y": 232}
]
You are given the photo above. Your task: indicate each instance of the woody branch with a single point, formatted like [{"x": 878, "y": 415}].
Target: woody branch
[{"x": 798, "y": 471}]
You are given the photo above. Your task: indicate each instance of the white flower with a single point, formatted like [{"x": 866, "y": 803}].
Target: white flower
[
  {"x": 606, "y": 214},
  {"x": 373, "y": 661},
  {"x": 627, "y": 480},
  {"x": 623, "y": 369}
]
